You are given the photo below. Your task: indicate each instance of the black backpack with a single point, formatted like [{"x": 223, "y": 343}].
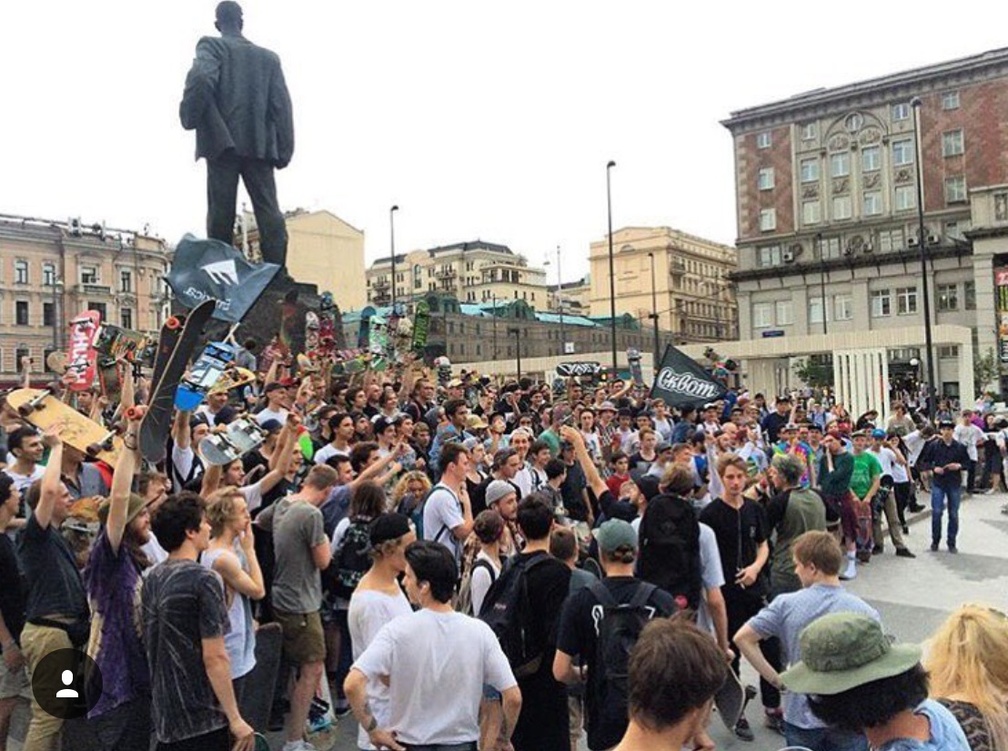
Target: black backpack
[
  {"x": 618, "y": 630},
  {"x": 669, "y": 544},
  {"x": 352, "y": 561},
  {"x": 508, "y": 611}
]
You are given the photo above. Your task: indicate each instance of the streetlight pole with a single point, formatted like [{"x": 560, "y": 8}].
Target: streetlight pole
[
  {"x": 563, "y": 341},
  {"x": 494, "y": 298},
  {"x": 612, "y": 273},
  {"x": 654, "y": 309},
  {"x": 391, "y": 221},
  {"x": 921, "y": 244},
  {"x": 822, "y": 280},
  {"x": 517, "y": 334}
]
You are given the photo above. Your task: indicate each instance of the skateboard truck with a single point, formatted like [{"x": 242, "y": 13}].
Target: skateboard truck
[
  {"x": 105, "y": 444},
  {"x": 34, "y": 404}
]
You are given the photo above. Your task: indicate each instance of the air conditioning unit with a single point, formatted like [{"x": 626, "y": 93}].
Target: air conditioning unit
[
  {"x": 934, "y": 239},
  {"x": 912, "y": 242},
  {"x": 788, "y": 256}
]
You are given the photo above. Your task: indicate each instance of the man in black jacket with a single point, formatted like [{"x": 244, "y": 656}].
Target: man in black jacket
[{"x": 946, "y": 458}]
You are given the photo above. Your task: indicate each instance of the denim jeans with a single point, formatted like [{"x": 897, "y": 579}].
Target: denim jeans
[
  {"x": 939, "y": 496},
  {"x": 824, "y": 739}
]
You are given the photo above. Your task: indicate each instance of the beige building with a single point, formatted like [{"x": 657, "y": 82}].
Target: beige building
[
  {"x": 573, "y": 297},
  {"x": 52, "y": 271},
  {"x": 323, "y": 250},
  {"x": 689, "y": 276},
  {"x": 473, "y": 272}
]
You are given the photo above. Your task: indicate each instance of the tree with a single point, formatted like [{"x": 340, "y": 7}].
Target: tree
[
  {"x": 816, "y": 374},
  {"x": 985, "y": 371}
]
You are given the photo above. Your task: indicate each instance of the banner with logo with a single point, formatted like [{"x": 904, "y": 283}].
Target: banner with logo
[
  {"x": 213, "y": 270},
  {"x": 680, "y": 382},
  {"x": 1001, "y": 306}
]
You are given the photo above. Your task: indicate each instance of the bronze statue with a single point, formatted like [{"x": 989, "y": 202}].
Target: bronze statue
[{"x": 236, "y": 100}]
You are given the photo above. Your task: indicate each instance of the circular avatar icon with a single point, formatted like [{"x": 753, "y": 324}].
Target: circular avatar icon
[{"x": 67, "y": 684}]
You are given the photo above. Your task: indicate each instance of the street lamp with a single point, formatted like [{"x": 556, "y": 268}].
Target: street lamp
[
  {"x": 57, "y": 316},
  {"x": 921, "y": 243},
  {"x": 559, "y": 300},
  {"x": 494, "y": 298},
  {"x": 612, "y": 272},
  {"x": 654, "y": 308},
  {"x": 391, "y": 221},
  {"x": 822, "y": 280},
  {"x": 517, "y": 333}
]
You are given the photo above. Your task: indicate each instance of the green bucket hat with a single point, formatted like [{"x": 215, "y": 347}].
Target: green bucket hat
[
  {"x": 843, "y": 650},
  {"x": 136, "y": 505}
]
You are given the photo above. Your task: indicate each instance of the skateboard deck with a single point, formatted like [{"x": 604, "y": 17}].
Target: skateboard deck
[
  {"x": 364, "y": 331},
  {"x": 240, "y": 437},
  {"x": 731, "y": 700},
  {"x": 288, "y": 319},
  {"x": 156, "y": 424},
  {"x": 110, "y": 375},
  {"x": 42, "y": 409},
  {"x": 81, "y": 356},
  {"x": 211, "y": 364},
  {"x": 378, "y": 335},
  {"x": 233, "y": 377},
  {"x": 257, "y": 700},
  {"x": 421, "y": 325},
  {"x": 311, "y": 331},
  {"x": 167, "y": 339},
  {"x": 272, "y": 351},
  {"x": 863, "y": 514},
  {"x": 634, "y": 358},
  {"x": 57, "y": 362},
  {"x": 261, "y": 744},
  {"x": 327, "y": 324},
  {"x": 115, "y": 342}
]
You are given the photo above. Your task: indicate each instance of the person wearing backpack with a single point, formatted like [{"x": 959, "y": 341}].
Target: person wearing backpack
[
  {"x": 488, "y": 527},
  {"x": 601, "y": 623}
]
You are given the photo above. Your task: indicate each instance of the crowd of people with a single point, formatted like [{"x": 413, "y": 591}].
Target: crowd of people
[{"x": 495, "y": 565}]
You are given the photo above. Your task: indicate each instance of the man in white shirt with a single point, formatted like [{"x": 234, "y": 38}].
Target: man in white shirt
[
  {"x": 970, "y": 436},
  {"x": 25, "y": 444},
  {"x": 276, "y": 404},
  {"x": 410, "y": 655},
  {"x": 447, "y": 516}
]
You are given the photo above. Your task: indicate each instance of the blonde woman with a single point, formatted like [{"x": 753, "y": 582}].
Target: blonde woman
[
  {"x": 408, "y": 495},
  {"x": 967, "y": 662}
]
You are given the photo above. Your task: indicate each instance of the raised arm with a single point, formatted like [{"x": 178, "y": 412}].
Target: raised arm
[
  {"x": 122, "y": 481},
  {"x": 51, "y": 481},
  {"x": 181, "y": 434},
  {"x": 595, "y": 481}
]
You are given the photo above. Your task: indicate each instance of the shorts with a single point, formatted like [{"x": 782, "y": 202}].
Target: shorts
[
  {"x": 303, "y": 640},
  {"x": 575, "y": 717},
  {"x": 16, "y": 684}
]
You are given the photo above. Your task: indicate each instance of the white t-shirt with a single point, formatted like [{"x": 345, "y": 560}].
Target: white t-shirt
[
  {"x": 523, "y": 479},
  {"x": 268, "y": 414},
  {"x": 481, "y": 580},
  {"x": 436, "y": 665},
  {"x": 711, "y": 575},
  {"x": 886, "y": 459},
  {"x": 899, "y": 473},
  {"x": 442, "y": 513},
  {"x": 369, "y": 611},
  {"x": 23, "y": 482},
  {"x": 969, "y": 436},
  {"x": 327, "y": 452},
  {"x": 914, "y": 442}
]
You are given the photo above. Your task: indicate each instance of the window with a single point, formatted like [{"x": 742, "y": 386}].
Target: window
[
  {"x": 840, "y": 164},
  {"x": 902, "y": 152},
  {"x": 890, "y": 240},
  {"x": 841, "y": 207},
  {"x": 762, "y": 315},
  {"x": 906, "y": 300},
  {"x": 872, "y": 203},
  {"x": 948, "y": 296},
  {"x": 811, "y": 212},
  {"x": 948, "y": 352},
  {"x": 763, "y": 140},
  {"x": 126, "y": 318},
  {"x": 881, "y": 303},
  {"x": 126, "y": 281},
  {"x": 89, "y": 275},
  {"x": 769, "y": 255},
  {"x": 829, "y": 247},
  {"x": 809, "y": 170},
  {"x": 952, "y": 142},
  {"x": 901, "y": 111},
  {"x": 815, "y": 310},
  {"x": 766, "y": 178},
  {"x": 842, "y": 308},
  {"x": 48, "y": 275},
  {"x": 871, "y": 159},
  {"x": 969, "y": 295},
  {"x": 21, "y": 313},
  {"x": 809, "y": 132},
  {"x": 20, "y": 272},
  {"x": 950, "y": 100},
  {"x": 48, "y": 314},
  {"x": 785, "y": 313},
  {"x": 19, "y": 354},
  {"x": 955, "y": 189},
  {"x": 767, "y": 220},
  {"x": 99, "y": 307},
  {"x": 906, "y": 197}
]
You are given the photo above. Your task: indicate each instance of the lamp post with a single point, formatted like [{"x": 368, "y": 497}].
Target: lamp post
[
  {"x": 612, "y": 273},
  {"x": 494, "y": 298},
  {"x": 517, "y": 333},
  {"x": 559, "y": 299},
  {"x": 57, "y": 334},
  {"x": 921, "y": 243},
  {"x": 391, "y": 221},
  {"x": 822, "y": 280},
  {"x": 654, "y": 309}
]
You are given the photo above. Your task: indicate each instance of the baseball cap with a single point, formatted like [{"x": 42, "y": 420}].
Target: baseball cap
[
  {"x": 475, "y": 422},
  {"x": 615, "y": 533},
  {"x": 860, "y": 434},
  {"x": 945, "y": 424},
  {"x": 648, "y": 485},
  {"x": 841, "y": 651},
  {"x": 270, "y": 425},
  {"x": 387, "y": 527},
  {"x": 381, "y": 424},
  {"x": 497, "y": 490},
  {"x": 607, "y": 405},
  {"x": 198, "y": 419},
  {"x": 454, "y": 383},
  {"x": 878, "y": 433}
]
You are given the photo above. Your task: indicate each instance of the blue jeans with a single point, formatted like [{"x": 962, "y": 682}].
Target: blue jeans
[
  {"x": 824, "y": 739},
  {"x": 938, "y": 499}
]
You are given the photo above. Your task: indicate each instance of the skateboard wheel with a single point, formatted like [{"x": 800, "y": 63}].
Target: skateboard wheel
[
  {"x": 173, "y": 323},
  {"x": 93, "y": 450},
  {"x": 136, "y": 412},
  {"x": 25, "y": 410}
]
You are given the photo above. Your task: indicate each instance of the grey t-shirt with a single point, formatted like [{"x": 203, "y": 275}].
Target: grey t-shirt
[{"x": 297, "y": 527}]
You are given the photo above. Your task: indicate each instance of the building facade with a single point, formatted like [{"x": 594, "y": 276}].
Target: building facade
[
  {"x": 684, "y": 276},
  {"x": 52, "y": 271},
  {"x": 571, "y": 297},
  {"x": 472, "y": 272},
  {"x": 322, "y": 249},
  {"x": 827, "y": 211}
]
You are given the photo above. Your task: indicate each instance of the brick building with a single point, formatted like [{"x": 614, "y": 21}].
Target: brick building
[{"x": 827, "y": 212}]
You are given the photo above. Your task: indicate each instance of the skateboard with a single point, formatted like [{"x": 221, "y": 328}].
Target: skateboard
[
  {"x": 327, "y": 323},
  {"x": 633, "y": 357},
  {"x": 732, "y": 699},
  {"x": 272, "y": 351},
  {"x": 42, "y": 409},
  {"x": 378, "y": 335},
  {"x": 110, "y": 376},
  {"x": 239, "y": 438},
  {"x": 81, "y": 356},
  {"x": 212, "y": 362},
  {"x": 421, "y": 325},
  {"x": 156, "y": 424},
  {"x": 364, "y": 330},
  {"x": 261, "y": 744},
  {"x": 167, "y": 339},
  {"x": 306, "y": 363},
  {"x": 57, "y": 362},
  {"x": 311, "y": 331},
  {"x": 257, "y": 699},
  {"x": 115, "y": 343},
  {"x": 863, "y": 514},
  {"x": 288, "y": 318},
  {"x": 233, "y": 377}
]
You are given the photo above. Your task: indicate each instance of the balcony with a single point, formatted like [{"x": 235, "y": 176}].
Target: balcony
[
  {"x": 448, "y": 273},
  {"x": 677, "y": 267},
  {"x": 94, "y": 289}
]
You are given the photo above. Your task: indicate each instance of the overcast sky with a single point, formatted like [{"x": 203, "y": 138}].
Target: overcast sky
[{"x": 480, "y": 120}]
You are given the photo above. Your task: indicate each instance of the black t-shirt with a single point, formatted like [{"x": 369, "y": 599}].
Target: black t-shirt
[
  {"x": 772, "y": 424},
  {"x": 638, "y": 462},
  {"x": 477, "y": 495},
  {"x": 572, "y": 492},
  {"x": 739, "y": 534},
  {"x": 253, "y": 459},
  {"x": 50, "y": 568},
  {"x": 578, "y": 634},
  {"x": 12, "y": 591}
]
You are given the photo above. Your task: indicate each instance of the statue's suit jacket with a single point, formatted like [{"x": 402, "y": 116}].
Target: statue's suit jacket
[{"x": 236, "y": 99}]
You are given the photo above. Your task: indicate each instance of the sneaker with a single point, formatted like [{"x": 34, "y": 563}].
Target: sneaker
[
  {"x": 934, "y": 547},
  {"x": 904, "y": 553},
  {"x": 775, "y": 721},
  {"x": 298, "y": 745},
  {"x": 851, "y": 571},
  {"x": 953, "y": 549},
  {"x": 878, "y": 550},
  {"x": 906, "y": 529},
  {"x": 743, "y": 731},
  {"x": 916, "y": 508}
]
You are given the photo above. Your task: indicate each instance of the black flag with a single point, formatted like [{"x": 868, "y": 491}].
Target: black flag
[
  {"x": 213, "y": 270},
  {"x": 682, "y": 383}
]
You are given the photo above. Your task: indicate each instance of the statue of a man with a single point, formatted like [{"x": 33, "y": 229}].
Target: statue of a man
[{"x": 236, "y": 100}]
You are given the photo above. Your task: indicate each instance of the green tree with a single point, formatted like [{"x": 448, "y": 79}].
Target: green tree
[
  {"x": 816, "y": 374},
  {"x": 985, "y": 371}
]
